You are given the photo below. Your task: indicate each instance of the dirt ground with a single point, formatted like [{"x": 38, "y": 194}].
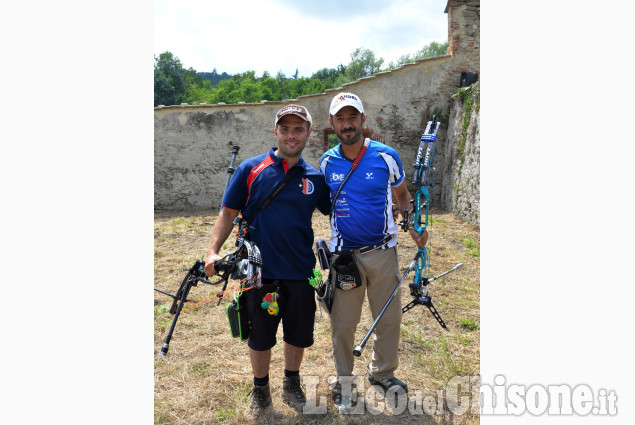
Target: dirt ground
[{"x": 206, "y": 376}]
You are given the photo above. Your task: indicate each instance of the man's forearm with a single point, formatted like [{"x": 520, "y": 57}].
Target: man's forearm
[
  {"x": 403, "y": 198},
  {"x": 221, "y": 231}
]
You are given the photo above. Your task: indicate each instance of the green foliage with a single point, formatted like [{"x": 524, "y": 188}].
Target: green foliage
[
  {"x": 363, "y": 64},
  {"x": 466, "y": 95},
  {"x": 174, "y": 85},
  {"x": 469, "y": 324},
  {"x": 473, "y": 249},
  {"x": 443, "y": 118},
  {"x": 333, "y": 140},
  {"x": 169, "y": 80},
  {"x": 430, "y": 50},
  {"x": 214, "y": 77}
]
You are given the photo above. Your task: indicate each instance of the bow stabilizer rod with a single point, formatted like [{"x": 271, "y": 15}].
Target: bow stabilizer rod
[{"x": 230, "y": 170}]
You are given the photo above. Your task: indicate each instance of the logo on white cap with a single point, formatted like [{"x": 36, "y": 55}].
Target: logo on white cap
[{"x": 345, "y": 99}]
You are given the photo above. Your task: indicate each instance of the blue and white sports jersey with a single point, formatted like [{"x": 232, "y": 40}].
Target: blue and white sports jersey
[{"x": 362, "y": 213}]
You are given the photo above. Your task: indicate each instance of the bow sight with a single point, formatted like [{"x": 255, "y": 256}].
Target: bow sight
[{"x": 244, "y": 264}]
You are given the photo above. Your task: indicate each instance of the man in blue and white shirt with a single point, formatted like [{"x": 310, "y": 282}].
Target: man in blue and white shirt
[{"x": 362, "y": 220}]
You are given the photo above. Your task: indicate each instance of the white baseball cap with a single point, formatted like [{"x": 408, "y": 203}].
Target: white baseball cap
[{"x": 345, "y": 99}]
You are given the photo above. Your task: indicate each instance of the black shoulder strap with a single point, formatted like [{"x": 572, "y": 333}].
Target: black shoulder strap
[{"x": 290, "y": 174}]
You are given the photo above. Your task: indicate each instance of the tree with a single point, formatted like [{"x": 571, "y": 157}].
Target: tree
[
  {"x": 169, "y": 80},
  {"x": 328, "y": 76},
  {"x": 430, "y": 50},
  {"x": 214, "y": 77},
  {"x": 270, "y": 88},
  {"x": 363, "y": 64},
  {"x": 174, "y": 85}
]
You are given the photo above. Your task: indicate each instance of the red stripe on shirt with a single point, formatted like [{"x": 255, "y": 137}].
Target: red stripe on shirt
[{"x": 256, "y": 171}]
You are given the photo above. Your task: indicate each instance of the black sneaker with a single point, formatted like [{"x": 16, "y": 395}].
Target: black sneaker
[
  {"x": 260, "y": 400},
  {"x": 293, "y": 393},
  {"x": 385, "y": 384},
  {"x": 344, "y": 402}
]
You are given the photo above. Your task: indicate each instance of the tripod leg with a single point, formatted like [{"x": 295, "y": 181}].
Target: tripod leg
[{"x": 434, "y": 312}]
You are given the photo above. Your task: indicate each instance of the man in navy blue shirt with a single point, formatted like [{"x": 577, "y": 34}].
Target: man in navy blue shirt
[{"x": 283, "y": 233}]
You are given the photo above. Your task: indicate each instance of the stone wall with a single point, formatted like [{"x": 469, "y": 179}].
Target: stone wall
[
  {"x": 460, "y": 187},
  {"x": 192, "y": 148},
  {"x": 193, "y": 144}
]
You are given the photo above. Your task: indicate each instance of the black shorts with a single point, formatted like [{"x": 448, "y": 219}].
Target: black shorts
[{"x": 297, "y": 312}]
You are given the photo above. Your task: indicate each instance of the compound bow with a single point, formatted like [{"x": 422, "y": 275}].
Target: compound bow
[{"x": 422, "y": 179}]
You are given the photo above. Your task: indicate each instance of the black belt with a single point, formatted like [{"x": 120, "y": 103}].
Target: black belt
[{"x": 369, "y": 248}]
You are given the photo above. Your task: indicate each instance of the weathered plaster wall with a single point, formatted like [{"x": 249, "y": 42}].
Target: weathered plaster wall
[{"x": 193, "y": 144}]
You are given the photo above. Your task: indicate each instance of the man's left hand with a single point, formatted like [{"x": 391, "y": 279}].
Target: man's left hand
[
  {"x": 420, "y": 240},
  {"x": 395, "y": 212}
]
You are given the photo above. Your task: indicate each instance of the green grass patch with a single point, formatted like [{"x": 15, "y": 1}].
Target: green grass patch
[
  {"x": 161, "y": 309},
  {"x": 469, "y": 324},
  {"x": 472, "y": 247},
  {"x": 180, "y": 224},
  {"x": 433, "y": 221},
  {"x": 464, "y": 339},
  {"x": 226, "y": 413}
]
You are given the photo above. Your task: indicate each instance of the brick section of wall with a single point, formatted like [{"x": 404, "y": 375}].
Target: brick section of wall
[{"x": 464, "y": 27}]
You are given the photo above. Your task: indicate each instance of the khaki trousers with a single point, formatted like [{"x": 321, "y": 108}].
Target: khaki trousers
[{"x": 379, "y": 271}]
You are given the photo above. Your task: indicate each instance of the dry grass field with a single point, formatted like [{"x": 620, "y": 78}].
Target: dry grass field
[{"x": 206, "y": 376}]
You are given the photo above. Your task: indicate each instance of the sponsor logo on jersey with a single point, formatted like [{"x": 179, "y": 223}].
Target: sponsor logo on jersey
[{"x": 337, "y": 177}]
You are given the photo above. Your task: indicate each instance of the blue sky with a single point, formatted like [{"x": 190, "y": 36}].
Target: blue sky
[{"x": 282, "y": 35}]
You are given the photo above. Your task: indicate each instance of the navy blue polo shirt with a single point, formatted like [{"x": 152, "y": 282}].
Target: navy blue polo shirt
[{"x": 283, "y": 229}]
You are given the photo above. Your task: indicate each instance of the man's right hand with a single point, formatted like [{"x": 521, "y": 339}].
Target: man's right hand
[
  {"x": 210, "y": 271},
  {"x": 220, "y": 232}
]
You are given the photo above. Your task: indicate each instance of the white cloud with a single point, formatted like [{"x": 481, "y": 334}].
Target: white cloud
[{"x": 280, "y": 35}]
